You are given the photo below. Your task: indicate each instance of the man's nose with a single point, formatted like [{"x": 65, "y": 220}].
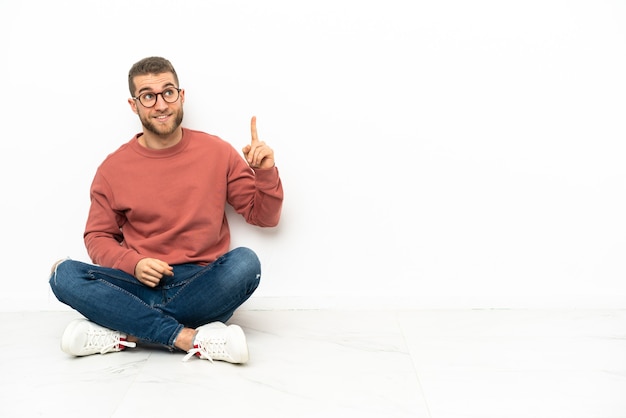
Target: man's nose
[{"x": 160, "y": 102}]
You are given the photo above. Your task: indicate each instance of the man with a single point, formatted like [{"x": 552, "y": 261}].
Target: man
[{"x": 158, "y": 236}]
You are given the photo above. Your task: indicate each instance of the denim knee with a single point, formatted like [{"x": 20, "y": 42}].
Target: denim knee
[
  {"x": 247, "y": 258},
  {"x": 58, "y": 278}
]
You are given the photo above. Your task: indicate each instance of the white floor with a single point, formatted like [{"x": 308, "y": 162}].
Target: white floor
[{"x": 438, "y": 364}]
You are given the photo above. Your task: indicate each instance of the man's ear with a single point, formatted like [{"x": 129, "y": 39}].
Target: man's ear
[{"x": 133, "y": 105}]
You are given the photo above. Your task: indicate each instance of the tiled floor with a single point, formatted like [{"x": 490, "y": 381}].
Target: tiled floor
[{"x": 438, "y": 364}]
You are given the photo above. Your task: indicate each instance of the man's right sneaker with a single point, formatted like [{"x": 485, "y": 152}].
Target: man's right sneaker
[
  {"x": 83, "y": 338},
  {"x": 216, "y": 341}
]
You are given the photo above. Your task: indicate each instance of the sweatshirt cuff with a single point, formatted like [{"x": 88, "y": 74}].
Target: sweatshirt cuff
[
  {"x": 267, "y": 177},
  {"x": 128, "y": 262}
]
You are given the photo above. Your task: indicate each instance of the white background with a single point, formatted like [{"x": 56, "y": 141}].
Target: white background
[{"x": 434, "y": 154}]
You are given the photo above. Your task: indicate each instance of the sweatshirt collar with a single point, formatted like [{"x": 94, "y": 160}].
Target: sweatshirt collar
[{"x": 160, "y": 153}]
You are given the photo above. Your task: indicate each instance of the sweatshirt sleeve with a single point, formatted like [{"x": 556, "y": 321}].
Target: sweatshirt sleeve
[
  {"x": 255, "y": 194},
  {"x": 103, "y": 232}
]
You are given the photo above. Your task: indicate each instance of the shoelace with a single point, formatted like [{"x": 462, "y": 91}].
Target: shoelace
[
  {"x": 106, "y": 341},
  {"x": 214, "y": 347}
]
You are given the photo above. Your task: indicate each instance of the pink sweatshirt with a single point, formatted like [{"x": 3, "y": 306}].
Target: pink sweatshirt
[{"x": 169, "y": 204}]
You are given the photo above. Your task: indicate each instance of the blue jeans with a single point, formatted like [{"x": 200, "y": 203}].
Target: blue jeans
[{"x": 194, "y": 296}]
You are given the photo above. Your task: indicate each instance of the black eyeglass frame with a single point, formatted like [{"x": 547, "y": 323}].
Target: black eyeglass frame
[{"x": 156, "y": 97}]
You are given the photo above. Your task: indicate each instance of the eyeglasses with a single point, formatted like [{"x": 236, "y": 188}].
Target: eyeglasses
[{"x": 149, "y": 99}]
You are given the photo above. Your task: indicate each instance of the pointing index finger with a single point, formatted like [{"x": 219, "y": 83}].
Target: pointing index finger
[{"x": 255, "y": 138}]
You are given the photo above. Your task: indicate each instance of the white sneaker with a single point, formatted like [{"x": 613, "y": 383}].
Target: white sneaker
[
  {"x": 216, "y": 341},
  {"x": 83, "y": 338}
]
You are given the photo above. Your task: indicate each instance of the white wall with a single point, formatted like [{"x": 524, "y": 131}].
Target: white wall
[{"x": 434, "y": 154}]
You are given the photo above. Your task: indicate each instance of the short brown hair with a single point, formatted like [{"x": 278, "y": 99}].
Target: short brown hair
[{"x": 150, "y": 65}]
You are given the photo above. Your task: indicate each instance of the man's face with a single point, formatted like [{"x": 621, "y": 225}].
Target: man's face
[{"x": 163, "y": 118}]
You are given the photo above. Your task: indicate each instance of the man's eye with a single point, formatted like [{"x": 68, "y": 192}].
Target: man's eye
[
  {"x": 168, "y": 92},
  {"x": 148, "y": 96}
]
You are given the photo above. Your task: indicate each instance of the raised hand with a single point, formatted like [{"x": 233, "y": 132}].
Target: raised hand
[{"x": 258, "y": 154}]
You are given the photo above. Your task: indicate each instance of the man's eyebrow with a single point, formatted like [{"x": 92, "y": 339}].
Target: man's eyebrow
[{"x": 166, "y": 85}]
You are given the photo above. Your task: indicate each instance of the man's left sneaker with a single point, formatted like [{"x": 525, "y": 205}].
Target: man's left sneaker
[{"x": 216, "y": 341}]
